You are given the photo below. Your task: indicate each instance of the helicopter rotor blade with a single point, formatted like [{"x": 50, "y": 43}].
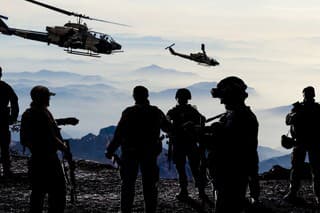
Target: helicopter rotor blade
[
  {"x": 109, "y": 22},
  {"x": 53, "y": 8},
  {"x": 72, "y": 13}
]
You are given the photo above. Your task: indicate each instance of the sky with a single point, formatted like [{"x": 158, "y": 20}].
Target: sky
[{"x": 273, "y": 45}]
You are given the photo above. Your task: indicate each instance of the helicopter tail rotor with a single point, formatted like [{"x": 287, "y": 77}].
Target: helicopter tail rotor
[
  {"x": 170, "y": 46},
  {"x": 3, "y": 17},
  {"x": 3, "y": 27}
]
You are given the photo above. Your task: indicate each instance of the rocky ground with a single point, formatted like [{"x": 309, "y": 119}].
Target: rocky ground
[{"x": 98, "y": 190}]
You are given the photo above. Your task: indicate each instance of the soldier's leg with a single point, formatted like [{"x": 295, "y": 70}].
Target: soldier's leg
[
  {"x": 4, "y": 146},
  {"x": 38, "y": 190},
  {"x": 57, "y": 199},
  {"x": 231, "y": 194},
  {"x": 128, "y": 172},
  {"x": 314, "y": 159},
  {"x": 180, "y": 162},
  {"x": 203, "y": 164},
  {"x": 297, "y": 161},
  {"x": 57, "y": 190},
  {"x": 150, "y": 178},
  {"x": 194, "y": 162},
  {"x": 254, "y": 185},
  {"x": 212, "y": 173},
  {"x": 36, "y": 199}
]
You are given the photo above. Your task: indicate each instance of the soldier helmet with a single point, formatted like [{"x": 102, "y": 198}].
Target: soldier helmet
[
  {"x": 140, "y": 93},
  {"x": 309, "y": 92},
  {"x": 40, "y": 93},
  {"x": 183, "y": 93},
  {"x": 230, "y": 87}
]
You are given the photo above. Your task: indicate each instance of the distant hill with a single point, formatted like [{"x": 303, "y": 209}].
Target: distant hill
[
  {"x": 283, "y": 161},
  {"x": 280, "y": 111},
  {"x": 200, "y": 89},
  {"x": 155, "y": 70},
  {"x": 52, "y": 75},
  {"x": 267, "y": 153},
  {"x": 92, "y": 147}
]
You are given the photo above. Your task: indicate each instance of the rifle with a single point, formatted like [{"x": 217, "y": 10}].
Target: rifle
[
  {"x": 69, "y": 172},
  {"x": 215, "y": 117}
]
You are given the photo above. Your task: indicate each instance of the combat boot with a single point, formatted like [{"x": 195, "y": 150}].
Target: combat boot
[
  {"x": 292, "y": 198},
  {"x": 183, "y": 195},
  {"x": 7, "y": 171},
  {"x": 202, "y": 195}
]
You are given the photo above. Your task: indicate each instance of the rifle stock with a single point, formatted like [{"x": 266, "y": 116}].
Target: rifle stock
[{"x": 70, "y": 172}]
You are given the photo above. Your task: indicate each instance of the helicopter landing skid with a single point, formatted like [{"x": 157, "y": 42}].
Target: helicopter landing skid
[{"x": 90, "y": 54}]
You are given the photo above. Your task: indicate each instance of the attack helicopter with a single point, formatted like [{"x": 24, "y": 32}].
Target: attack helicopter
[
  {"x": 200, "y": 57},
  {"x": 70, "y": 36}
]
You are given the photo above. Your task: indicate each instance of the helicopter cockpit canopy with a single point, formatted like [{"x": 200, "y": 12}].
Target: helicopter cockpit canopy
[{"x": 103, "y": 36}]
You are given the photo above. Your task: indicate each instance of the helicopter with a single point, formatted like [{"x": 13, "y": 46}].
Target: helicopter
[
  {"x": 200, "y": 57},
  {"x": 70, "y": 36}
]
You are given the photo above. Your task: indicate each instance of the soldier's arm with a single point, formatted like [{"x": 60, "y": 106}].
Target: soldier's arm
[
  {"x": 117, "y": 137},
  {"x": 291, "y": 117},
  {"x": 114, "y": 144}
]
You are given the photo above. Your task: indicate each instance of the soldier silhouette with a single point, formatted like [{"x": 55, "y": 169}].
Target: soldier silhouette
[
  {"x": 232, "y": 156},
  {"x": 8, "y": 116},
  {"x": 137, "y": 134},
  {"x": 185, "y": 118},
  {"x": 304, "y": 121},
  {"x": 40, "y": 133}
]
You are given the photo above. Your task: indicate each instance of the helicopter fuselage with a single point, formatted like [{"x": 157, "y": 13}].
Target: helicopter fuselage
[
  {"x": 77, "y": 36},
  {"x": 70, "y": 36}
]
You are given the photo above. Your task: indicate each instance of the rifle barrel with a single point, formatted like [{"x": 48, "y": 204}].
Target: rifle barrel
[{"x": 214, "y": 117}]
